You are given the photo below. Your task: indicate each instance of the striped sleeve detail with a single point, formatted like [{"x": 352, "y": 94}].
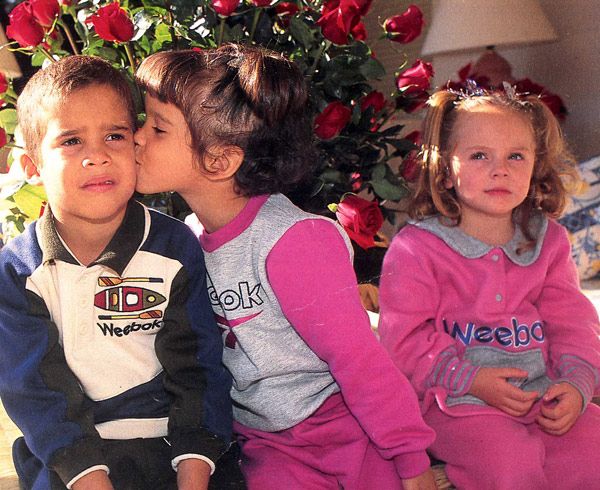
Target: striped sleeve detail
[
  {"x": 580, "y": 374},
  {"x": 452, "y": 373}
]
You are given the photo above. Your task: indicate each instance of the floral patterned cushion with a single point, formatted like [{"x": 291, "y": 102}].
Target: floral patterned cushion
[{"x": 582, "y": 219}]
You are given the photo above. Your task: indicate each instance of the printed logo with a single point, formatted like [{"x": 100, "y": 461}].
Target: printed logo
[
  {"x": 519, "y": 335},
  {"x": 227, "y": 326},
  {"x": 244, "y": 296},
  {"x": 128, "y": 303}
]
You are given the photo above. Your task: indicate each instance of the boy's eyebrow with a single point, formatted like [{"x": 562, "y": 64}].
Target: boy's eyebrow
[{"x": 113, "y": 127}]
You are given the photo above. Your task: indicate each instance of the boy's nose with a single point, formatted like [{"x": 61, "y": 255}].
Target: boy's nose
[{"x": 97, "y": 160}]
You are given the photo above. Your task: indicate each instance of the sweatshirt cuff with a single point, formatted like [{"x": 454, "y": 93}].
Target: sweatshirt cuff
[
  {"x": 580, "y": 374},
  {"x": 87, "y": 472},
  {"x": 452, "y": 373},
  {"x": 70, "y": 463},
  {"x": 409, "y": 465},
  {"x": 198, "y": 442}
]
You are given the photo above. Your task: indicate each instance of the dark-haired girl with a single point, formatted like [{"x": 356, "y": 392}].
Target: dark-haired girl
[{"x": 317, "y": 401}]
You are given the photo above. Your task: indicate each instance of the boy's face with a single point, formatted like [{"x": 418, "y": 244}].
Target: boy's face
[
  {"x": 164, "y": 156},
  {"x": 88, "y": 161}
]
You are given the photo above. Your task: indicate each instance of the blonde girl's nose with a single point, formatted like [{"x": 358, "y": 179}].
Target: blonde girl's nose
[{"x": 500, "y": 166}]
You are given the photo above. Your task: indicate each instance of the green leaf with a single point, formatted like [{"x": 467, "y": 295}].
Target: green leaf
[
  {"x": 8, "y": 120},
  {"x": 372, "y": 69},
  {"x": 29, "y": 200},
  {"x": 301, "y": 32},
  {"x": 162, "y": 33},
  {"x": 379, "y": 172},
  {"x": 386, "y": 190}
]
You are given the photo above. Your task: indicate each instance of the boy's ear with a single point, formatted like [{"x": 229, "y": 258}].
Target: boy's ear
[
  {"x": 222, "y": 162},
  {"x": 30, "y": 168}
]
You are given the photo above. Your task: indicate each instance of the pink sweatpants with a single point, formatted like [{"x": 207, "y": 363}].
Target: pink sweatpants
[
  {"x": 325, "y": 451},
  {"x": 492, "y": 452}
]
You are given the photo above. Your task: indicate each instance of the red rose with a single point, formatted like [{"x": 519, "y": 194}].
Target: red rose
[
  {"x": 340, "y": 17},
  {"x": 332, "y": 120},
  {"x": 416, "y": 78},
  {"x": 285, "y": 10},
  {"x": 359, "y": 32},
  {"x": 45, "y": 11},
  {"x": 225, "y": 7},
  {"x": 3, "y": 83},
  {"x": 375, "y": 99},
  {"x": 261, "y": 3},
  {"x": 360, "y": 218},
  {"x": 405, "y": 27},
  {"x": 112, "y": 23},
  {"x": 2, "y": 137},
  {"x": 23, "y": 27},
  {"x": 553, "y": 101}
]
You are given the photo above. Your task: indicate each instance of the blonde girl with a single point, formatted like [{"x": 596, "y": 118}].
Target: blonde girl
[{"x": 480, "y": 301}]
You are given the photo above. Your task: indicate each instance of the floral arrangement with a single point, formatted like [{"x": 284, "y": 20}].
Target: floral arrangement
[
  {"x": 467, "y": 75},
  {"x": 356, "y": 126}
]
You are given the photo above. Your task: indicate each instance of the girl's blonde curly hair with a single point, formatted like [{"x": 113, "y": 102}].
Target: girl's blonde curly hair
[{"x": 554, "y": 173}]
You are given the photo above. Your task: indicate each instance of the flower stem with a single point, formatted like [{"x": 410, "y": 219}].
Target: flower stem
[
  {"x": 130, "y": 56},
  {"x": 69, "y": 37},
  {"x": 46, "y": 53},
  {"x": 257, "y": 13},
  {"x": 221, "y": 31},
  {"x": 324, "y": 47}
]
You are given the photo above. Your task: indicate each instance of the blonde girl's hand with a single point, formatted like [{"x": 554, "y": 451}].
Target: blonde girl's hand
[
  {"x": 561, "y": 408},
  {"x": 491, "y": 386},
  {"x": 425, "y": 481}
]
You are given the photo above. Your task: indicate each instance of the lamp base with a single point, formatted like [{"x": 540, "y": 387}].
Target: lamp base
[{"x": 494, "y": 67}]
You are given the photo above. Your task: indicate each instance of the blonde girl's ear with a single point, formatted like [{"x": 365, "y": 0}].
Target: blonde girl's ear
[
  {"x": 448, "y": 184},
  {"x": 30, "y": 168},
  {"x": 222, "y": 162}
]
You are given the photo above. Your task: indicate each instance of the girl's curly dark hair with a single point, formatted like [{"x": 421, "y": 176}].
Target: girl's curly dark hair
[{"x": 245, "y": 96}]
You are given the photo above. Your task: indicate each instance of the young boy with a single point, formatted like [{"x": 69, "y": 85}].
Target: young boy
[{"x": 110, "y": 359}]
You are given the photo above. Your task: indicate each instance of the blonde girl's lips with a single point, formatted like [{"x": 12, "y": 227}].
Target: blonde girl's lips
[{"x": 498, "y": 192}]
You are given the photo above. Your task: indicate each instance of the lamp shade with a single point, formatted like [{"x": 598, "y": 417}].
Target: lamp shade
[
  {"x": 8, "y": 62},
  {"x": 462, "y": 25}
]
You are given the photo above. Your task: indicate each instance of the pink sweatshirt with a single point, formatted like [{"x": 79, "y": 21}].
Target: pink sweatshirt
[
  {"x": 310, "y": 271},
  {"x": 450, "y": 303}
]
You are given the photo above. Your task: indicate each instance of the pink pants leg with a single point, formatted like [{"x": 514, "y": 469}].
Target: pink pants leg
[
  {"x": 496, "y": 452},
  {"x": 325, "y": 451}
]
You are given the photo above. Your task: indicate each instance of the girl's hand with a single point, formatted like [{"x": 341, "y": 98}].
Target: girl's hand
[
  {"x": 491, "y": 386},
  {"x": 425, "y": 481},
  {"x": 561, "y": 408}
]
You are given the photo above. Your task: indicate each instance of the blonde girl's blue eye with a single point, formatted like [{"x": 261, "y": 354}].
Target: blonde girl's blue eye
[
  {"x": 516, "y": 156},
  {"x": 478, "y": 155}
]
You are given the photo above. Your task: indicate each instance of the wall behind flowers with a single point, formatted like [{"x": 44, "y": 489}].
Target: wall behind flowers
[{"x": 568, "y": 67}]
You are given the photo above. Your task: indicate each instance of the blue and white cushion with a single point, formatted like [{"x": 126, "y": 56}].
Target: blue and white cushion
[{"x": 582, "y": 219}]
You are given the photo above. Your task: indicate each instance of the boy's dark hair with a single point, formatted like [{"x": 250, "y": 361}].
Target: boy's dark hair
[
  {"x": 244, "y": 96},
  {"x": 55, "y": 83}
]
